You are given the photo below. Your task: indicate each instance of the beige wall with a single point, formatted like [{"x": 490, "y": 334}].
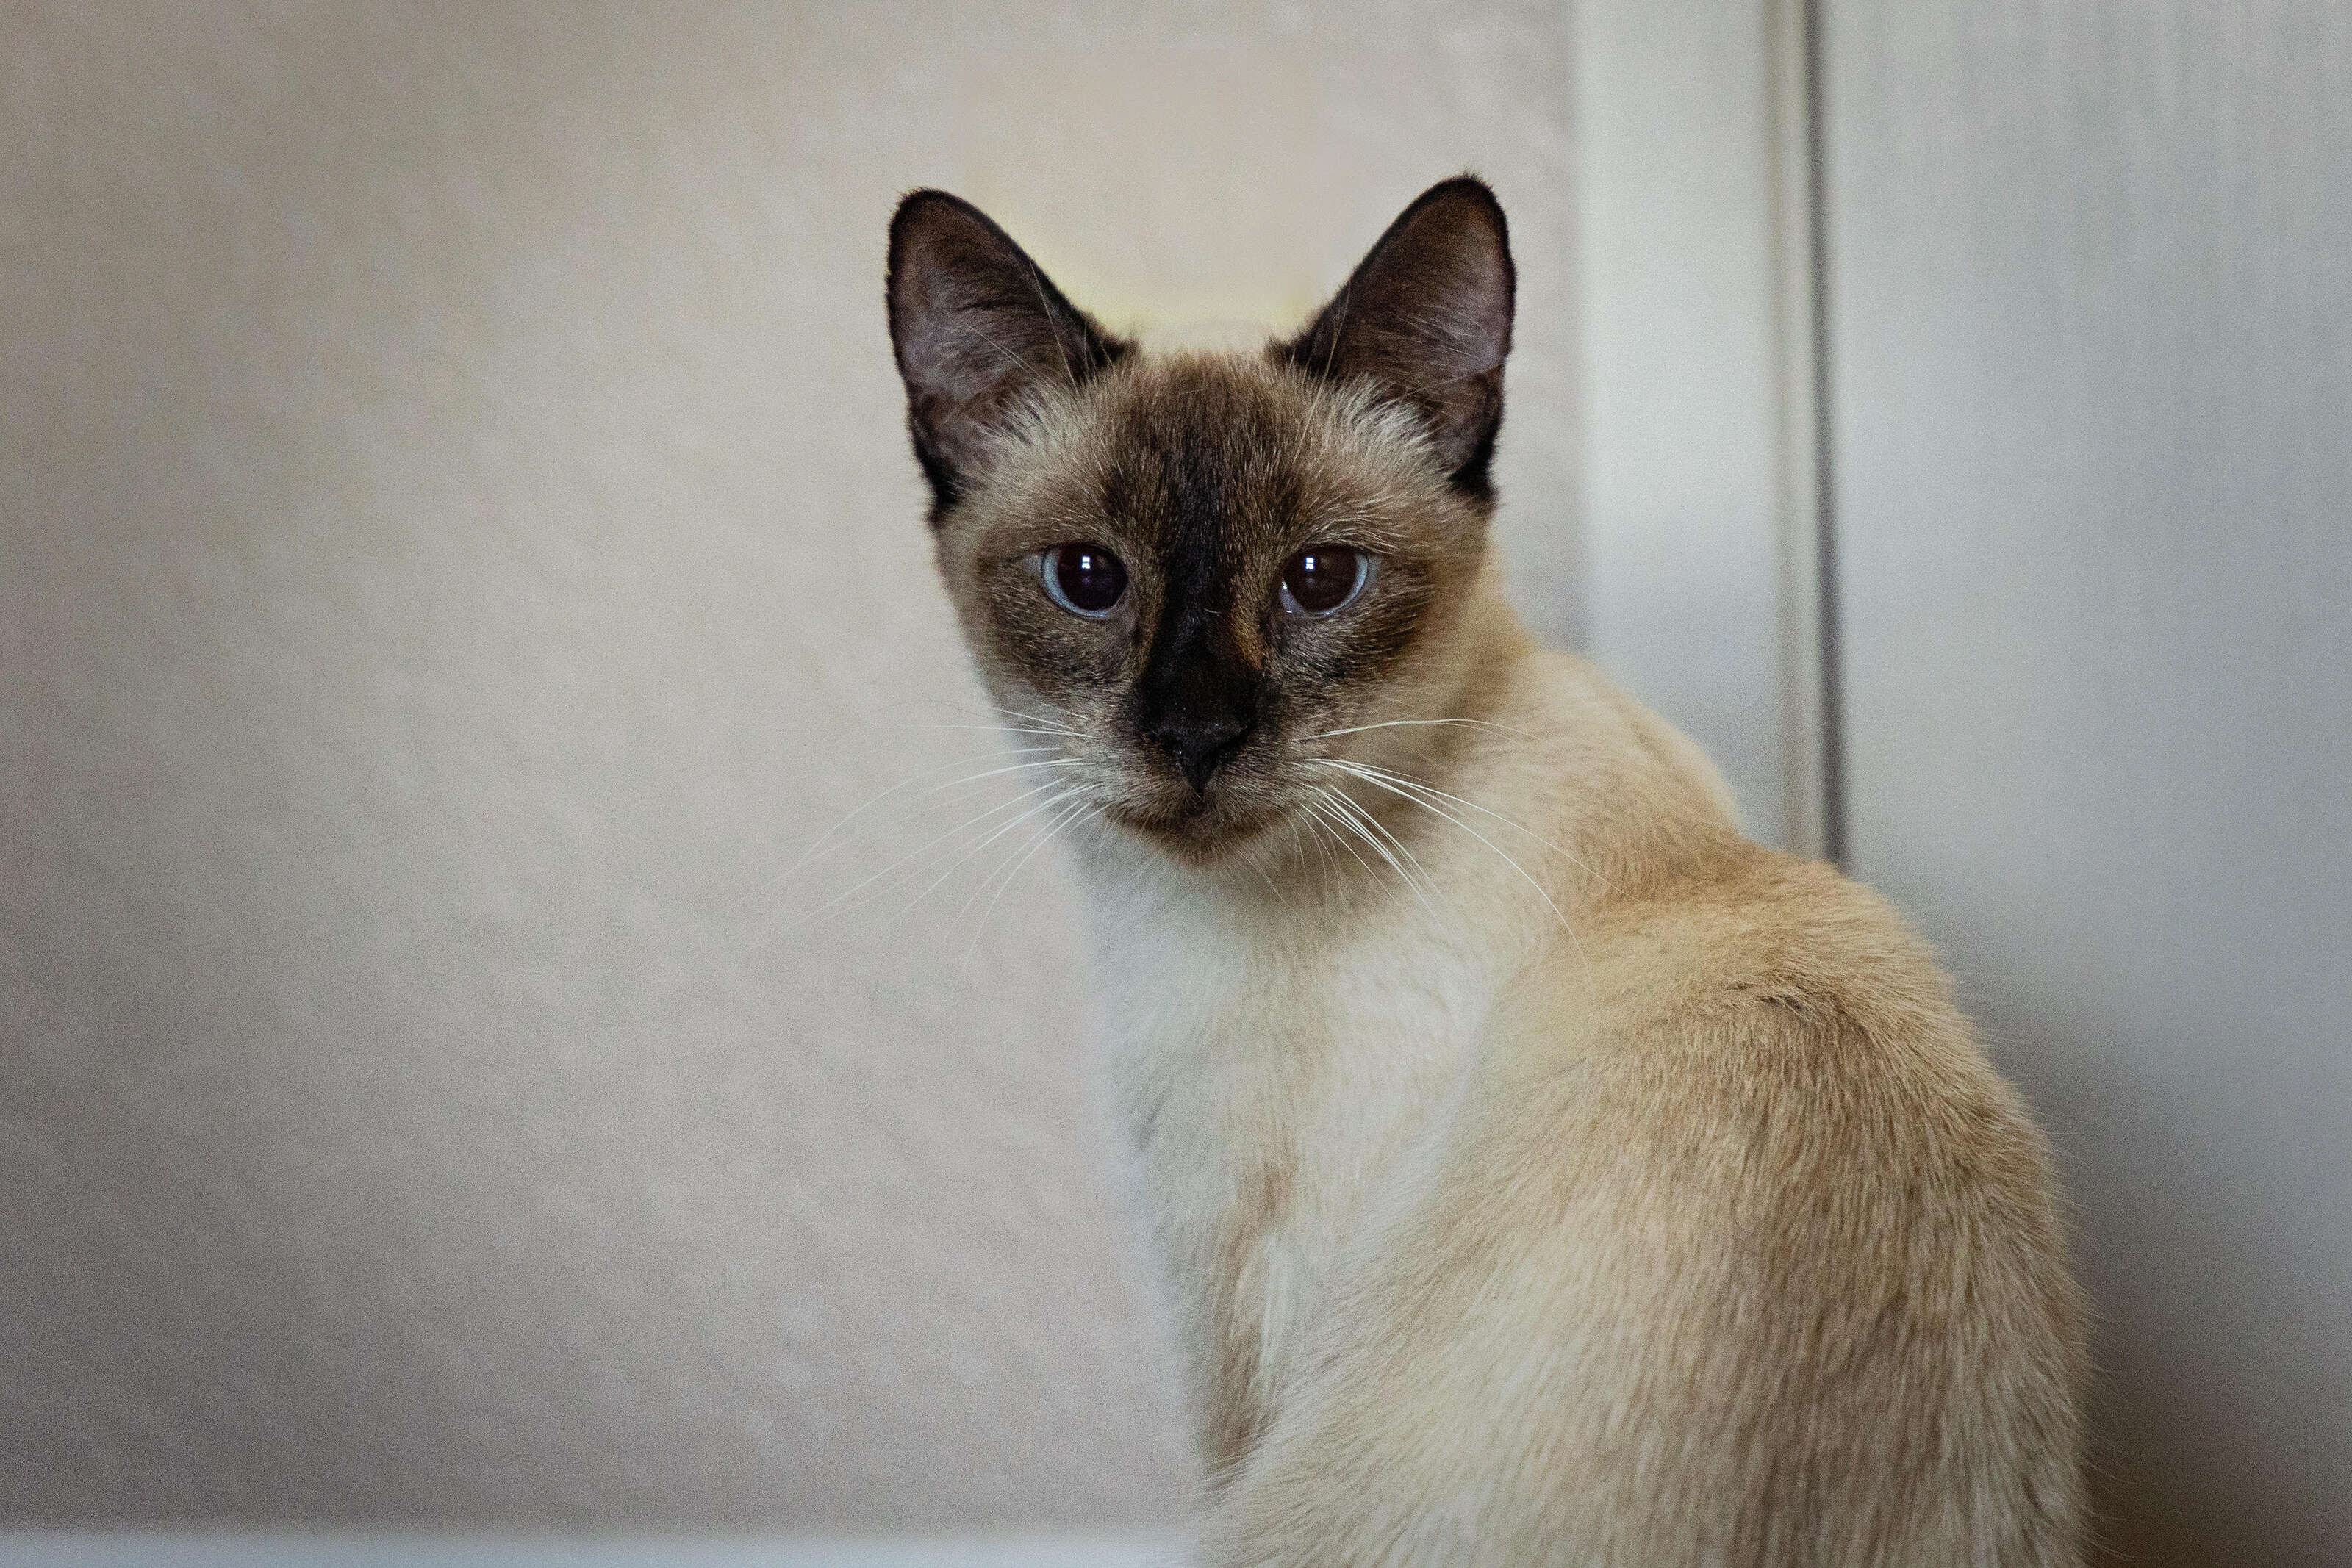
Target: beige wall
[{"x": 455, "y": 543}]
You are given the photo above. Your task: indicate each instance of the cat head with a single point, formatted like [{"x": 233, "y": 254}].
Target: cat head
[{"x": 1204, "y": 577}]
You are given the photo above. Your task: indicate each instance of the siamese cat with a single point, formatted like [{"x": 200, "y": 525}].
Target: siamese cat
[{"x": 1543, "y": 1172}]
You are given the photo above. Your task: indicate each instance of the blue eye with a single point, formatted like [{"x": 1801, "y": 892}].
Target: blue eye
[
  {"x": 1083, "y": 579},
  {"x": 1321, "y": 578}
]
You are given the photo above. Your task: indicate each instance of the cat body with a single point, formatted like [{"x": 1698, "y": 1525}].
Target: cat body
[
  {"x": 1542, "y": 1172},
  {"x": 1545, "y": 1231}
]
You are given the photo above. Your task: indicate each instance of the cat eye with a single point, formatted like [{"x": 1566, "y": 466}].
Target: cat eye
[
  {"x": 1083, "y": 579},
  {"x": 1323, "y": 578}
]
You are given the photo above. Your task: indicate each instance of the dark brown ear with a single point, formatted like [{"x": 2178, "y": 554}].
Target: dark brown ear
[
  {"x": 1426, "y": 317},
  {"x": 976, "y": 325}
]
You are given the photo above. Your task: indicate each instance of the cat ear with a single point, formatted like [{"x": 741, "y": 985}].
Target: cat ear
[
  {"x": 976, "y": 325},
  {"x": 1426, "y": 317}
]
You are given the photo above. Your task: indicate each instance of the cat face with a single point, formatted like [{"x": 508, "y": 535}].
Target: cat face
[{"x": 1196, "y": 575}]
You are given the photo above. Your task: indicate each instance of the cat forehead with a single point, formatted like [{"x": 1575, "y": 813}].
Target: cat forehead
[
  {"x": 1191, "y": 439},
  {"x": 1203, "y": 441}
]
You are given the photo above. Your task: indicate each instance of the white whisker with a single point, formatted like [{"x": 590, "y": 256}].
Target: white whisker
[
  {"x": 1052, "y": 828},
  {"x": 1340, "y": 829},
  {"x": 1070, "y": 801},
  {"x": 965, "y": 826},
  {"x": 1049, "y": 803},
  {"x": 1319, "y": 835},
  {"x": 1271, "y": 885},
  {"x": 818, "y": 847},
  {"x": 1353, "y": 817},
  {"x": 1374, "y": 832},
  {"x": 1371, "y": 778},
  {"x": 1396, "y": 777},
  {"x": 1035, "y": 719},
  {"x": 996, "y": 728},
  {"x": 1408, "y": 723}
]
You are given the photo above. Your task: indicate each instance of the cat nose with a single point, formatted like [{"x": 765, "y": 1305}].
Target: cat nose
[{"x": 1201, "y": 743}]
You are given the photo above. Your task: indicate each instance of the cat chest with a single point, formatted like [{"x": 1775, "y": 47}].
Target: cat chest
[{"x": 1271, "y": 1105}]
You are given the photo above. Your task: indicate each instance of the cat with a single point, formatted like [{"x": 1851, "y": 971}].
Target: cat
[{"x": 1543, "y": 1173}]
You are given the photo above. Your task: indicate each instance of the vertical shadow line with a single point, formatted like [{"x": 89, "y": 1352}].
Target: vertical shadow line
[{"x": 1835, "y": 844}]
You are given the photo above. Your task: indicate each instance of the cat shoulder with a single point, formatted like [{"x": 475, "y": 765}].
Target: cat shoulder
[{"x": 1758, "y": 1005}]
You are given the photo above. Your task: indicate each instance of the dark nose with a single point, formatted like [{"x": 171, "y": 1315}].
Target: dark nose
[{"x": 1201, "y": 743}]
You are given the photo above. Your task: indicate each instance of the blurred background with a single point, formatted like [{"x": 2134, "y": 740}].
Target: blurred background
[{"x": 458, "y": 556}]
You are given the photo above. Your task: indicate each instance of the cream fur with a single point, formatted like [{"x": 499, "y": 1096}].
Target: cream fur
[
  {"x": 1542, "y": 1173},
  {"x": 1693, "y": 1227}
]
